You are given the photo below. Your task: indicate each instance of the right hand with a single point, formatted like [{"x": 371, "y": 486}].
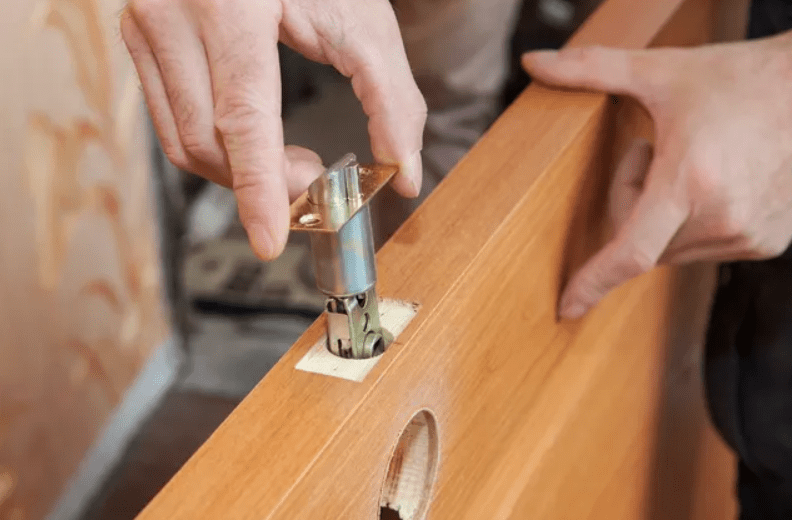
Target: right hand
[
  {"x": 211, "y": 77},
  {"x": 717, "y": 184}
]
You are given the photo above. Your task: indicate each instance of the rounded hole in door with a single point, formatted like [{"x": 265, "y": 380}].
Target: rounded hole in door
[{"x": 411, "y": 470}]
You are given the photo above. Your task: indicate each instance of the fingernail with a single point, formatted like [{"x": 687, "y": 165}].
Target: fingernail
[
  {"x": 414, "y": 172},
  {"x": 572, "y": 310}
]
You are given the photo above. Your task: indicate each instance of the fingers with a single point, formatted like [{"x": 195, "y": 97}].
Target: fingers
[
  {"x": 184, "y": 70},
  {"x": 628, "y": 180},
  {"x": 635, "y": 250},
  {"x": 304, "y": 166},
  {"x": 211, "y": 75},
  {"x": 594, "y": 68},
  {"x": 383, "y": 81},
  {"x": 241, "y": 45},
  {"x": 154, "y": 90}
]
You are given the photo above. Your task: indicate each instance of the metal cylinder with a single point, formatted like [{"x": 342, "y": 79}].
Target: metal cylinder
[{"x": 344, "y": 262}]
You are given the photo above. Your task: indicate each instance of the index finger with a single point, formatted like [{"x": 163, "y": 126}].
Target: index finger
[{"x": 241, "y": 46}]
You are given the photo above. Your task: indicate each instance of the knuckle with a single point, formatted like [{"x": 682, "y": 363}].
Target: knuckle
[
  {"x": 254, "y": 171},
  {"x": 197, "y": 137},
  {"x": 237, "y": 115},
  {"x": 750, "y": 242},
  {"x": 245, "y": 180},
  {"x": 626, "y": 265},
  {"x": 582, "y": 54},
  {"x": 198, "y": 145},
  {"x": 769, "y": 248},
  {"x": 125, "y": 20},
  {"x": 213, "y": 7},
  {"x": 704, "y": 177},
  {"x": 176, "y": 155},
  {"x": 592, "y": 287},
  {"x": 419, "y": 111},
  {"x": 757, "y": 245},
  {"x": 251, "y": 218},
  {"x": 736, "y": 221},
  {"x": 773, "y": 250},
  {"x": 147, "y": 10},
  {"x": 418, "y": 100},
  {"x": 633, "y": 262},
  {"x": 732, "y": 216}
]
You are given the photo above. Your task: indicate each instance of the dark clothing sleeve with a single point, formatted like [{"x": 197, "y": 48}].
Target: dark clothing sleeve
[
  {"x": 769, "y": 17},
  {"x": 748, "y": 360}
]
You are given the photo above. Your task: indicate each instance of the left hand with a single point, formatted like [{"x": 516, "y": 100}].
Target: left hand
[{"x": 718, "y": 184}]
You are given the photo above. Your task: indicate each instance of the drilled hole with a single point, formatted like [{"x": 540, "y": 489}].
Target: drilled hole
[
  {"x": 411, "y": 471},
  {"x": 387, "y": 513},
  {"x": 310, "y": 219},
  {"x": 379, "y": 346},
  {"x": 366, "y": 323}
]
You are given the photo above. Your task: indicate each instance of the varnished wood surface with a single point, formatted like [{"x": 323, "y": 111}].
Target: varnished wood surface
[{"x": 599, "y": 418}]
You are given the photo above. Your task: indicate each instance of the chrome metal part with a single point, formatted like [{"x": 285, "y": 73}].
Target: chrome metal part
[
  {"x": 335, "y": 212},
  {"x": 344, "y": 262},
  {"x": 304, "y": 212},
  {"x": 353, "y": 327}
]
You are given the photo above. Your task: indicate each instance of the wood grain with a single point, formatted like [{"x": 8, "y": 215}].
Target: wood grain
[
  {"x": 81, "y": 304},
  {"x": 536, "y": 419}
]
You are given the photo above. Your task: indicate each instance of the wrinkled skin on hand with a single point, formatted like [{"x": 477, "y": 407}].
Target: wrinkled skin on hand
[
  {"x": 211, "y": 77},
  {"x": 717, "y": 186}
]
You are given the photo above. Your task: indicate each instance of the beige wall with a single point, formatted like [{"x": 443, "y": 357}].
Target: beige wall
[{"x": 81, "y": 305}]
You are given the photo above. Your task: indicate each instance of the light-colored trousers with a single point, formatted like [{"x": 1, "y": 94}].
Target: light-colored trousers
[{"x": 459, "y": 54}]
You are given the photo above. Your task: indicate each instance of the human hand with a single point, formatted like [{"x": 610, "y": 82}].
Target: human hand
[
  {"x": 211, "y": 77},
  {"x": 718, "y": 184}
]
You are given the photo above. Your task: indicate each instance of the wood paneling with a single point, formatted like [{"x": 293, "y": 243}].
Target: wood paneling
[
  {"x": 598, "y": 418},
  {"x": 81, "y": 305}
]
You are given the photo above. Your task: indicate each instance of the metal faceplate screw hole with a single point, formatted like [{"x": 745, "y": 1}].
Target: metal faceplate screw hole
[{"x": 310, "y": 219}]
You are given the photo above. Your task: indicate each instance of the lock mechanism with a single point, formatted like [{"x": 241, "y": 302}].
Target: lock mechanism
[{"x": 335, "y": 212}]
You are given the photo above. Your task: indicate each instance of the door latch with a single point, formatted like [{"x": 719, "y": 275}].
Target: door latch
[{"x": 335, "y": 212}]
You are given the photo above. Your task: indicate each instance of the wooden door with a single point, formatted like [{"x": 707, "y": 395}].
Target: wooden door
[{"x": 487, "y": 407}]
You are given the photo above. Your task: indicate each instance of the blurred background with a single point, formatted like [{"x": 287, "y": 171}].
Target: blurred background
[{"x": 133, "y": 315}]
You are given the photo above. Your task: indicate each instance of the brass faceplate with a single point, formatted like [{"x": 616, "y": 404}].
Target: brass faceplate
[{"x": 306, "y": 217}]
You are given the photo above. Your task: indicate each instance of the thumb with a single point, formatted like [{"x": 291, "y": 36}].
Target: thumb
[
  {"x": 593, "y": 68},
  {"x": 302, "y": 168},
  {"x": 634, "y": 250}
]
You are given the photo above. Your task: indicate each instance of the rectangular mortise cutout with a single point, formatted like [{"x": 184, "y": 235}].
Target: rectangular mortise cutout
[{"x": 395, "y": 315}]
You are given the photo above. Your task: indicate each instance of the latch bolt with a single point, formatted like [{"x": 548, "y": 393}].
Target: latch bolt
[{"x": 335, "y": 212}]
